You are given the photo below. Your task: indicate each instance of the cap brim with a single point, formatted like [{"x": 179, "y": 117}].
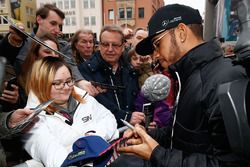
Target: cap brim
[{"x": 145, "y": 47}]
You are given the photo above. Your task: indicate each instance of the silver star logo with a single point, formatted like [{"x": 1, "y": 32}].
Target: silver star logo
[{"x": 165, "y": 23}]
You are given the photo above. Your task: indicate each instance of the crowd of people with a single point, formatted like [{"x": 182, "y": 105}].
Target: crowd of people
[{"x": 95, "y": 88}]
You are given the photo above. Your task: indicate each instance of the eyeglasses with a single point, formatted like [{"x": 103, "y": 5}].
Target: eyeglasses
[
  {"x": 156, "y": 42},
  {"x": 60, "y": 85},
  {"x": 106, "y": 45}
]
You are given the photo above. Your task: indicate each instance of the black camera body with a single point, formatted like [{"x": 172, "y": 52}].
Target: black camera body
[
  {"x": 2, "y": 71},
  {"x": 234, "y": 97}
]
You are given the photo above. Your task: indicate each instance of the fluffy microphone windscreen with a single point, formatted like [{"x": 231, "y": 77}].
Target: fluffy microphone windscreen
[{"x": 156, "y": 87}]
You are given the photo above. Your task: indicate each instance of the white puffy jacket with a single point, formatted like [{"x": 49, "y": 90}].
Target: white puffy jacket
[{"x": 50, "y": 139}]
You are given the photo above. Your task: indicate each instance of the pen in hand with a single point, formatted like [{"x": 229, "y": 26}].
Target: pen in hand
[{"x": 127, "y": 124}]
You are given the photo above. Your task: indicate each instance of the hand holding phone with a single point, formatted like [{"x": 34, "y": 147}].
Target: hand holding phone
[
  {"x": 13, "y": 80},
  {"x": 10, "y": 93}
]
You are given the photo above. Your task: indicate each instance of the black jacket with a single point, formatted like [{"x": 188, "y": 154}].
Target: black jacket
[
  {"x": 199, "y": 134},
  {"x": 96, "y": 69}
]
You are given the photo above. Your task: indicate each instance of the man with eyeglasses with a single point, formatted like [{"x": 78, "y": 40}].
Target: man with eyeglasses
[
  {"x": 197, "y": 136},
  {"x": 108, "y": 67}
]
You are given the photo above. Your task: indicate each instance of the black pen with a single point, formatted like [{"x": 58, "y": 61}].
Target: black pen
[{"x": 127, "y": 124}]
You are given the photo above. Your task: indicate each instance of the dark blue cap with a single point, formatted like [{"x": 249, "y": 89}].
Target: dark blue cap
[
  {"x": 165, "y": 18},
  {"x": 89, "y": 149}
]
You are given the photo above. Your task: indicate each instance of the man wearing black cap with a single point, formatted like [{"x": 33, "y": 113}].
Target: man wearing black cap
[{"x": 197, "y": 136}]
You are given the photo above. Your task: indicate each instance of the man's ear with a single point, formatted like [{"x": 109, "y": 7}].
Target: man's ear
[
  {"x": 182, "y": 29},
  {"x": 39, "y": 19}
]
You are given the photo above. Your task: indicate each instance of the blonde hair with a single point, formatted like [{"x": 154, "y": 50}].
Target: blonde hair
[{"x": 42, "y": 76}]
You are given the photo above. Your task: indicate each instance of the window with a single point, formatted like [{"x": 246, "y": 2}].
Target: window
[
  {"x": 93, "y": 23},
  {"x": 67, "y": 21},
  {"x": 60, "y": 4},
  {"x": 2, "y": 21},
  {"x": 92, "y": 3},
  {"x": 85, "y": 4},
  {"x": 2, "y": 3},
  {"x": 73, "y": 21},
  {"x": 86, "y": 21},
  {"x": 66, "y": 4},
  {"x": 73, "y": 4},
  {"x": 111, "y": 14},
  {"x": 28, "y": 24},
  {"x": 121, "y": 13},
  {"x": 27, "y": 10},
  {"x": 141, "y": 12},
  {"x": 129, "y": 13}
]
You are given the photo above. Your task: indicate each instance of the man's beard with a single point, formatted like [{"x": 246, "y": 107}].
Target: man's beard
[{"x": 175, "y": 50}]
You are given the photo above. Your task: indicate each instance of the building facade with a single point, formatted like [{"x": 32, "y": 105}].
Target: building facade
[
  {"x": 90, "y": 14},
  {"x": 20, "y": 10},
  {"x": 130, "y": 13}
]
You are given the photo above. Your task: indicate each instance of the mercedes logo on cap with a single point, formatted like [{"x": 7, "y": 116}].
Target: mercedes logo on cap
[{"x": 165, "y": 23}]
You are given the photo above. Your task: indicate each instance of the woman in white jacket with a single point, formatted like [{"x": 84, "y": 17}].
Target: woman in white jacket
[{"x": 72, "y": 115}]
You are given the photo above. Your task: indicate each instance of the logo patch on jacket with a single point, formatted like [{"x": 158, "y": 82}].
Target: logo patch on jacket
[{"x": 87, "y": 118}]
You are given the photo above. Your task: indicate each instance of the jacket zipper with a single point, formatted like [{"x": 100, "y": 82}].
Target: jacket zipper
[{"x": 175, "y": 109}]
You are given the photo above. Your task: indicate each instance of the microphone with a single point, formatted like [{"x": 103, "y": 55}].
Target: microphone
[{"x": 155, "y": 88}]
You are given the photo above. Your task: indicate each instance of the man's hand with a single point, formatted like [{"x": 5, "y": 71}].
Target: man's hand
[
  {"x": 15, "y": 37},
  {"x": 18, "y": 116},
  {"x": 10, "y": 96},
  {"x": 137, "y": 117},
  {"x": 139, "y": 143},
  {"x": 92, "y": 90}
]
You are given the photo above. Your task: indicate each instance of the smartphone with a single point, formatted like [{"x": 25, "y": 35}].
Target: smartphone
[
  {"x": 148, "y": 110},
  {"x": 2, "y": 71},
  {"x": 13, "y": 80}
]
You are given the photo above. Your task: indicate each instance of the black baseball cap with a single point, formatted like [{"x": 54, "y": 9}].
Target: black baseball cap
[{"x": 165, "y": 18}]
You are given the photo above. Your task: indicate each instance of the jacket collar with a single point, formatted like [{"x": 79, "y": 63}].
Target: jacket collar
[
  {"x": 196, "y": 58},
  {"x": 97, "y": 63}
]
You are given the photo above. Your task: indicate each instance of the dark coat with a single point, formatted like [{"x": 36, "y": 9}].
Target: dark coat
[
  {"x": 96, "y": 69},
  {"x": 199, "y": 136}
]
